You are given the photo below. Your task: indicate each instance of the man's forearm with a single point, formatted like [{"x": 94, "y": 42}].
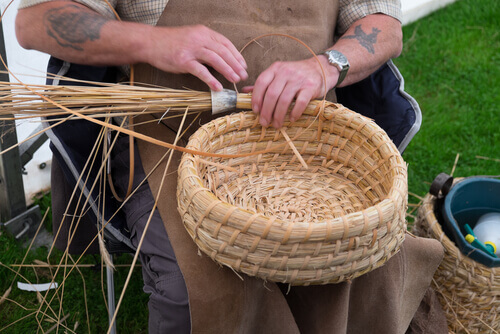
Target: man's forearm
[
  {"x": 368, "y": 44},
  {"x": 73, "y": 32}
]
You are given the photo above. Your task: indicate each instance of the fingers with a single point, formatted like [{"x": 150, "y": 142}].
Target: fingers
[
  {"x": 285, "y": 87},
  {"x": 232, "y": 49},
  {"x": 224, "y": 63},
  {"x": 260, "y": 92},
  {"x": 201, "y": 72},
  {"x": 292, "y": 98},
  {"x": 302, "y": 98},
  {"x": 219, "y": 53},
  {"x": 247, "y": 89},
  {"x": 275, "y": 111},
  {"x": 192, "y": 49},
  {"x": 301, "y": 102}
]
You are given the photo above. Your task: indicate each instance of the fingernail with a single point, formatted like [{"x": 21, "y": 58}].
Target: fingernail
[
  {"x": 235, "y": 77},
  {"x": 217, "y": 86},
  {"x": 243, "y": 75},
  {"x": 255, "y": 108},
  {"x": 264, "y": 123}
]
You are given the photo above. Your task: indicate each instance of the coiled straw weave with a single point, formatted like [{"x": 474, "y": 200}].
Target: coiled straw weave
[
  {"x": 265, "y": 214},
  {"x": 468, "y": 291}
]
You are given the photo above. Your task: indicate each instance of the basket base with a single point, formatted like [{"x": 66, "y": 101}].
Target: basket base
[{"x": 296, "y": 196}]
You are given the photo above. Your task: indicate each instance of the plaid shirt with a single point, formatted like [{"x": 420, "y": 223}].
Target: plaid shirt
[{"x": 149, "y": 11}]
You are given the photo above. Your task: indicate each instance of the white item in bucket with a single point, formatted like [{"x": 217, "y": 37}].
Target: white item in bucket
[{"x": 487, "y": 230}]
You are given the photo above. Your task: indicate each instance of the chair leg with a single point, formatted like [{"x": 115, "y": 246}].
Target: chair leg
[{"x": 111, "y": 295}]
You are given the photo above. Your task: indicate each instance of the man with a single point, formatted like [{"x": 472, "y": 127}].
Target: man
[{"x": 195, "y": 44}]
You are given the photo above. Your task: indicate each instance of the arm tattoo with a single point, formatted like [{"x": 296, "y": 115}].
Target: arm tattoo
[
  {"x": 71, "y": 27},
  {"x": 367, "y": 41}
]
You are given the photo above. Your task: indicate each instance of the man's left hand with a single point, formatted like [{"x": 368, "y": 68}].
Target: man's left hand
[{"x": 286, "y": 85}]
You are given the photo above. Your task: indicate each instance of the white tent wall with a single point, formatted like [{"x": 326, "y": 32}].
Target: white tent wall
[
  {"x": 29, "y": 66},
  {"x": 415, "y": 9}
]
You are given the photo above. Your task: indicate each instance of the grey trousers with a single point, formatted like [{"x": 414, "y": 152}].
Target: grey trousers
[{"x": 163, "y": 280}]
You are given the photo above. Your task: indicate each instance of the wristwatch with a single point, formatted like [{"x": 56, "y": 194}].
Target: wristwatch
[{"x": 340, "y": 61}]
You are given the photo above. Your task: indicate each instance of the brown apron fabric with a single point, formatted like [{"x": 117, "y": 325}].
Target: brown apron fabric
[
  {"x": 430, "y": 317},
  {"x": 382, "y": 301},
  {"x": 359, "y": 306}
]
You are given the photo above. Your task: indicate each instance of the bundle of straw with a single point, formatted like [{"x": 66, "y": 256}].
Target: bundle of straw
[{"x": 98, "y": 100}]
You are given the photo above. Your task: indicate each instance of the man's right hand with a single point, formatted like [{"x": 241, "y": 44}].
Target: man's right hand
[
  {"x": 187, "y": 49},
  {"x": 73, "y": 32}
]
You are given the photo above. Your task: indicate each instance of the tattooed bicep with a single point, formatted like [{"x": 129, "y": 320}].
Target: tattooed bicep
[{"x": 71, "y": 26}]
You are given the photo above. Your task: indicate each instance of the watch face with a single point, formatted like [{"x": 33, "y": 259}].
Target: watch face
[{"x": 336, "y": 57}]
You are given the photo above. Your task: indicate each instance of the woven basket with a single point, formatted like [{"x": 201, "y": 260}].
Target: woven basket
[
  {"x": 266, "y": 215},
  {"x": 468, "y": 291}
]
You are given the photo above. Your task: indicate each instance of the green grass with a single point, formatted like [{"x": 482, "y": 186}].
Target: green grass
[
  {"x": 133, "y": 314},
  {"x": 451, "y": 65}
]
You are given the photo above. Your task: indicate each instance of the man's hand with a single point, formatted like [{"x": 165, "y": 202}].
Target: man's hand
[
  {"x": 187, "y": 49},
  {"x": 287, "y": 85}
]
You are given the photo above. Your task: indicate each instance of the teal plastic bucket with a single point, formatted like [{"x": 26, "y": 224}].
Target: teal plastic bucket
[{"x": 466, "y": 202}]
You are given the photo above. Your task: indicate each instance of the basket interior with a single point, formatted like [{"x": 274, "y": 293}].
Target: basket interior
[{"x": 348, "y": 170}]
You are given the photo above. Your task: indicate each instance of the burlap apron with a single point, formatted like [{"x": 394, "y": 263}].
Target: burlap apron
[{"x": 222, "y": 302}]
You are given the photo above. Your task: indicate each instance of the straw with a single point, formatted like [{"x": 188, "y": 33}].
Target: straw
[{"x": 24, "y": 101}]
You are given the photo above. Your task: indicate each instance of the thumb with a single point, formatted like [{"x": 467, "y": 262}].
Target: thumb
[{"x": 247, "y": 89}]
